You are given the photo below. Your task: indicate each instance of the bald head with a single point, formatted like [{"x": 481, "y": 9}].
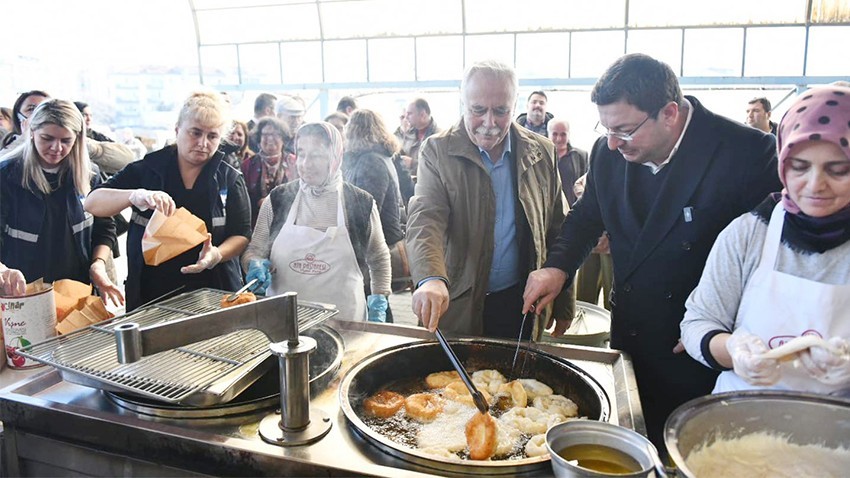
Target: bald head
[{"x": 559, "y": 133}]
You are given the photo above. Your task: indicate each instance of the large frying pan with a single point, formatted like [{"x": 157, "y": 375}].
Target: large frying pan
[{"x": 418, "y": 359}]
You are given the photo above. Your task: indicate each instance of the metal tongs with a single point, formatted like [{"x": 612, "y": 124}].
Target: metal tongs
[
  {"x": 245, "y": 287},
  {"x": 477, "y": 397}
]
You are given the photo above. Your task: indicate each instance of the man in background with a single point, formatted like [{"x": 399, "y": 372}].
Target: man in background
[
  {"x": 536, "y": 117},
  {"x": 422, "y": 125},
  {"x": 263, "y": 106},
  {"x": 758, "y": 115}
]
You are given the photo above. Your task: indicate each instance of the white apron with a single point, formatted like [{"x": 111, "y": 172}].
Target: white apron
[
  {"x": 783, "y": 307},
  {"x": 320, "y": 266}
]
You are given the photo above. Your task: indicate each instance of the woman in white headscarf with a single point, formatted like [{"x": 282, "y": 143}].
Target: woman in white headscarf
[{"x": 318, "y": 236}]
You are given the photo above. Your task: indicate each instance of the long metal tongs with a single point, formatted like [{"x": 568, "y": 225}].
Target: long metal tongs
[
  {"x": 477, "y": 397},
  {"x": 235, "y": 295},
  {"x": 518, "y": 342}
]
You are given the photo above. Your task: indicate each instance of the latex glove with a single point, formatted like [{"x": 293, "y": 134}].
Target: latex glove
[
  {"x": 377, "y": 306},
  {"x": 831, "y": 367},
  {"x": 260, "y": 270},
  {"x": 145, "y": 199},
  {"x": 745, "y": 350},
  {"x": 12, "y": 282},
  {"x": 97, "y": 273},
  {"x": 209, "y": 257}
]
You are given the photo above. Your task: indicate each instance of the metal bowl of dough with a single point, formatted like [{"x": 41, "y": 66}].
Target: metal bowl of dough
[
  {"x": 805, "y": 419},
  {"x": 418, "y": 359}
]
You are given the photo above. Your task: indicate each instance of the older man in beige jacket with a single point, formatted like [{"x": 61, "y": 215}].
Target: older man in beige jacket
[{"x": 487, "y": 202}]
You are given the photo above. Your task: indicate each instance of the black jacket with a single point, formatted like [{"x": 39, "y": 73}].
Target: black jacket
[
  {"x": 368, "y": 171},
  {"x": 229, "y": 209},
  {"x": 721, "y": 170}
]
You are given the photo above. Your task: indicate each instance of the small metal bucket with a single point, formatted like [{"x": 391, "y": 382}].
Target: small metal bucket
[{"x": 586, "y": 432}]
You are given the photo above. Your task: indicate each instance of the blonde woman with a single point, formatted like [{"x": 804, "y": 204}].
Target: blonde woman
[
  {"x": 45, "y": 231},
  {"x": 191, "y": 173}
]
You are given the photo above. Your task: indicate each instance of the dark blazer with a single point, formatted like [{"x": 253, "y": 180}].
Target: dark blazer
[{"x": 721, "y": 170}]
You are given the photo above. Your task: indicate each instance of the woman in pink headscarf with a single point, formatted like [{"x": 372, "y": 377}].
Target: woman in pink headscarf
[
  {"x": 783, "y": 271},
  {"x": 318, "y": 235}
]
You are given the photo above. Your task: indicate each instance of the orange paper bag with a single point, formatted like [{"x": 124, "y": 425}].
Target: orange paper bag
[
  {"x": 167, "y": 237},
  {"x": 68, "y": 295}
]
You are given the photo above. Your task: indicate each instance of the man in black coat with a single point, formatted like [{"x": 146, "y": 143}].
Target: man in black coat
[{"x": 668, "y": 175}]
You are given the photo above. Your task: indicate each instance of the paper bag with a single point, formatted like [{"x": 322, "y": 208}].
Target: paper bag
[
  {"x": 68, "y": 295},
  {"x": 167, "y": 237},
  {"x": 90, "y": 311}
]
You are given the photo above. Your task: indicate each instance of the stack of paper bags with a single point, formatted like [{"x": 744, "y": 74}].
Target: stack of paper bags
[
  {"x": 76, "y": 307},
  {"x": 166, "y": 237}
]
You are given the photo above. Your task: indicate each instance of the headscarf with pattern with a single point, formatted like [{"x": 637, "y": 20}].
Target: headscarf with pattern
[{"x": 332, "y": 139}]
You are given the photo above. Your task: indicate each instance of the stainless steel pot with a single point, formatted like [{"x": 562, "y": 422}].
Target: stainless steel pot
[
  {"x": 584, "y": 432},
  {"x": 804, "y": 418},
  {"x": 418, "y": 359}
]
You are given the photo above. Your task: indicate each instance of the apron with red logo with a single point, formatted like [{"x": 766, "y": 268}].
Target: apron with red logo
[
  {"x": 783, "y": 307},
  {"x": 319, "y": 266}
]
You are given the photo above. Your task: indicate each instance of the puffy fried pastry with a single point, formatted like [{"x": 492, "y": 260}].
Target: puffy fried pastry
[
  {"x": 242, "y": 298},
  {"x": 441, "y": 379},
  {"x": 457, "y": 391},
  {"x": 423, "y": 407},
  {"x": 516, "y": 391},
  {"x": 481, "y": 436},
  {"x": 384, "y": 404}
]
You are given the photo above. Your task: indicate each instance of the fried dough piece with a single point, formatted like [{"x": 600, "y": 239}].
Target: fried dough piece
[
  {"x": 441, "y": 379},
  {"x": 383, "y": 404},
  {"x": 423, "y": 407},
  {"x": 242, "y": 298},
  {"x": 481, "y": 436}
]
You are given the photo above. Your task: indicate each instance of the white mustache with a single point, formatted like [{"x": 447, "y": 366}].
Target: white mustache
[{"x": 484, "y": 131}]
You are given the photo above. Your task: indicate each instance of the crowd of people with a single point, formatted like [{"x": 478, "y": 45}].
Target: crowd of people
[{"x": 707, "y": 257}]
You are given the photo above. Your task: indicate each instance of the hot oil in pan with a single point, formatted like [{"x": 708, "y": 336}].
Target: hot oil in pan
[{"x": 403, "y": 430}]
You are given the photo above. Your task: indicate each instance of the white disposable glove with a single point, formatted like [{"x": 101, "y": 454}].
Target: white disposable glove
[
  {"x": 209, "y": 257},
  {"x": 830, "y": 366},
  {"x": 12, "y": 282},
  {"x": 145, "y": 199},
  {"x": 745, "y": 350}
]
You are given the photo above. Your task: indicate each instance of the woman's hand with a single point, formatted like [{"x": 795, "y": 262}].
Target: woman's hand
[
  {"x": 12, "y": 282},
  {"x": 108, "y": 290},
  {"x": 209, "y": 257},
  {"x": 144, "y": 199},
  {"x": 260, "y": 270},
  {"x": 828, "y": 365},
  {"x": 746, "y": 349}
]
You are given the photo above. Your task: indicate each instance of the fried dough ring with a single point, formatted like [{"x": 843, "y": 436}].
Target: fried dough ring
[
  {"x": 423, "y": 407},
  {"x": 441, "y": 379},
  {"x": 383, "y": 404},
  {"x": 481, "y": 435}
]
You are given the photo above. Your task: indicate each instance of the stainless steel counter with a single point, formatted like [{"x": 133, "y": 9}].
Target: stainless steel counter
[{"x": 53, "y": 427}]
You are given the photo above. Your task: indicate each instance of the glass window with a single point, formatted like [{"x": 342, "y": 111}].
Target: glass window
[
  {"x": 260, "y": 24},
  {"x": 489, "y": 47},
  {"x": 484, "y": 16},
  {"x": 379, "y": 18},
  {"x": 765, "y": 57},
  {"x": 593, "y": 52},
  {"x": 302, "y": 62},
  {"x": 391, "y": 60},
  {"x": 260, "y": 64},
  {"x": 439, "y": 58},
  {"x": 830, "y": 11},
  {"x": 543, "y": 55},
  {"x": 211, "y": 4},
  {"x": 828, "y": 51},
  {"x": 345, "y": 61},
  {"x": 664, "y": 45},
  {"x": 220, "y": 65},
  {"x": 659, "y": 13},
  {"x": 713, "y": 51}
]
